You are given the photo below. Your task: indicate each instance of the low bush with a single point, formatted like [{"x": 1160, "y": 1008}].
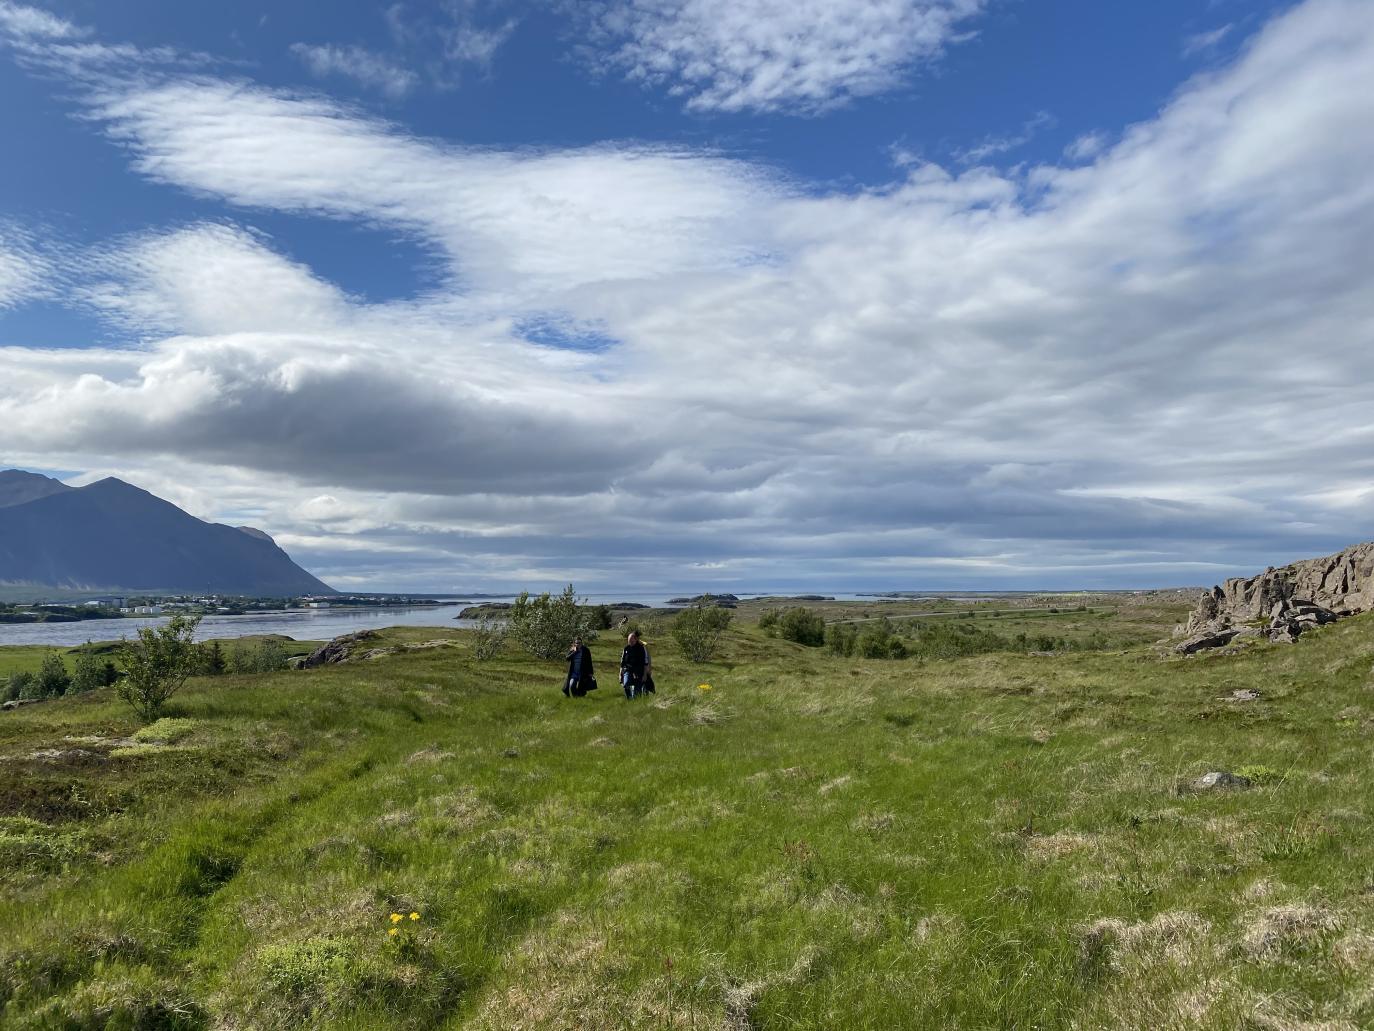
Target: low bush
[
  {"x": 803, "y": 626},
  {"x": 698, "y": 630}
]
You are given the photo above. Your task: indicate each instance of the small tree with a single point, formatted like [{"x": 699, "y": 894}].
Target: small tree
[
  {"x": 212, "y": 660},
  {"x": 489, "y": 636},
  {"x": 53, "y": 678},
  {"x": 545, "y": 626},
  {"x": 803, "y": 626},
  {"x": 157, "y": 663},
  {"x": 87, "y": 673},
  {"x": 697, "y": 630}
]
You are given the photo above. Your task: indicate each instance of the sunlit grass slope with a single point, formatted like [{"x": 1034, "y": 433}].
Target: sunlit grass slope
[{"x": 1005, "y": 841}]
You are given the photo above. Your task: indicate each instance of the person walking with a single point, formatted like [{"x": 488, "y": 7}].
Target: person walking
[
  {"x": 634, "y": 666},
  {"x": 580, "y": 679}
]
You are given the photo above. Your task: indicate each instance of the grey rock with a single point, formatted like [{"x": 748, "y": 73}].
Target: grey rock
[
  {"x": 1243, "y": 694},
  {"x": 338, "y": 650},
  {"x": 1205, "y": 640},
  {"x": 1217, "y": 779},
  {"x": 16, "y": 702}
]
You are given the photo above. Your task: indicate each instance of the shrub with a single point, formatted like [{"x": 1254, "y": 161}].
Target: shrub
[
  {"x": 489, "y": 636},
  {"x": 545, "y": 626},
  {"x": 768, "y": 622},
  {"x": 212, "y": 660},
  {"x": 22, "y": 686},
  {"x": 88, "y": 673},
  {"x": 874, "y": 642},
  {"x": 53, "y": 678},
  {"x": 841, "y": 638},
  {"x": 803, "y": 626},
  {"x": 266, "y": 656},
  {"x": 697, "y": 631},
  {"x": 157, "y": 663}
]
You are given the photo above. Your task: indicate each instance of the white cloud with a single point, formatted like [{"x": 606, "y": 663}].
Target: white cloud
[
  {"x": 19, "y": 20},
  {"x": 24, "y": 272},
  {"x": 991, "y": 146},
  {"x": 1202, "y": 42},
  {"x": 364, "y": 66},
  {"x": 1106, "y": 372},
  {"x": 772, "y": 55},
  {"x": 1086, "y": 147}
]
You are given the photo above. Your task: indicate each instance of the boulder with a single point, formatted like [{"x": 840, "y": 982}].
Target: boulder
[
  {"x": 1219, "y": 779},
  {"x": 338, "y": 650}
]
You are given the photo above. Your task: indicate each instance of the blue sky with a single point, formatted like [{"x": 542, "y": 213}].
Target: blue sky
[{"x": 806, "y": 294}]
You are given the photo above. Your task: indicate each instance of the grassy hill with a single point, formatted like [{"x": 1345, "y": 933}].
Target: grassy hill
[{"x": 998, "y": 841}]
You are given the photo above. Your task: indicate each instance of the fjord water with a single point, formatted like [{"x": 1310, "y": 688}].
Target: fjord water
[{"x": 308, "y": 624}]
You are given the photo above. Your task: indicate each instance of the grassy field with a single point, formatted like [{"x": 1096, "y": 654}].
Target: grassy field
[{"x": 1001, "y": 841}]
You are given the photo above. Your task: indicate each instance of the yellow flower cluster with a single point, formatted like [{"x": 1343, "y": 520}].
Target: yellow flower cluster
[
  {"x": 397, "y": 918},
  {"x": 703, "y": 687}
]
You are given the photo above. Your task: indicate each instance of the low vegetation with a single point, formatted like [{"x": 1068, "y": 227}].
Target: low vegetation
[{"x": 786, "y": 836}]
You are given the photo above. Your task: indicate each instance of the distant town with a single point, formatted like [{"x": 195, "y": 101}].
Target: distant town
[{"x": 115, "y": 606}]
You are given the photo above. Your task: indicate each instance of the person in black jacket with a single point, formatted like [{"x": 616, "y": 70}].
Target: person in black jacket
[
  {"x": 580, "y": 679},
  {"x": 634, "y": 666}
]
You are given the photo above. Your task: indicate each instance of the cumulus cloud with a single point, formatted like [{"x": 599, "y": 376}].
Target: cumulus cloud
[
  {"x": 1150, "y": 365},
  {"x": 771, "y": 55}
]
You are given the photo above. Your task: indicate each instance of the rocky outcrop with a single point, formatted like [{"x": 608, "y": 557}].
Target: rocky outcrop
[
  {"x": 1282, "y": 603},
  {"x": 341, "y": 649}
]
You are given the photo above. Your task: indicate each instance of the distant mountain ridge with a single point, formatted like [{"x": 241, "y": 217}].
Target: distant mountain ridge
[{"x": 111, "y": 535}]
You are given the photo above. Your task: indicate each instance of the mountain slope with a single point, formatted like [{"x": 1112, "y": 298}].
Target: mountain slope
[
  {"x": 111, "y": 534},
  {"x": 19, "y": 488}
]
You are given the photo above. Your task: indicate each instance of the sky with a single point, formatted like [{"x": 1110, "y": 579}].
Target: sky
[{"x": 724, "y": 294}]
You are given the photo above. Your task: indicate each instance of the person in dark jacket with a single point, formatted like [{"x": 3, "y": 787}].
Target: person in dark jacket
[
  {"x": 634, "y": 666},
  {"x": 580, "y": 679}
]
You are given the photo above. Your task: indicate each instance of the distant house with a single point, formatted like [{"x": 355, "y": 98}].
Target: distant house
[
  {"x": 317, "y": 604},
  {"x": 147, "y": 610}
]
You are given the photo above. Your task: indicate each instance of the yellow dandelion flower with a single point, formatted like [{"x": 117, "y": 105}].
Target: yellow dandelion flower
[
  {"x": 393, "y": 931},
  {"x": 703, "y": 687},
  {"x": 396, "y": 918},
  {"x": 415, "y": 916}
]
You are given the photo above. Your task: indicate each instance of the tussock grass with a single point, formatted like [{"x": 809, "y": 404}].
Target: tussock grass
[{"x": 818, "y": 842}]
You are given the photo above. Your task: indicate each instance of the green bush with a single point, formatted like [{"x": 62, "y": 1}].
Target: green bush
[
  {"x": 157, "y": 663},
  {"x": 53, "y": 678},
  {"x": 88, "y": 673},
  {"x": 768, "y": 622},
  {"x": 698, "y": 630},
  {"x": 803, "y": 626},
  {"x": 545, "y": 626},
  {"x": 874, "y": 642},
  {"x": 489, "y": 636},
  {"x": 840, "y": 639},
  {"x": 267, "y": 656},
  {"x": 24, "y": 686}
]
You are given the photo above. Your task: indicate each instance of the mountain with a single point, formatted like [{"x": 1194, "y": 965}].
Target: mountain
[
  {"x": 18, "y": 487},
  {"x": 112, "y": 535}
]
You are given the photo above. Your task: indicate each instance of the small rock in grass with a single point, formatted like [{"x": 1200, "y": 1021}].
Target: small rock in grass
[
  {"x": 1243, "y": 694},
  {"x": 511, "y": 753},
  {"x": 1219, "y": 779}
]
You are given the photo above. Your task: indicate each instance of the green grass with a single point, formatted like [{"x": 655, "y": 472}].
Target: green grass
[{"x": 1001, "y": 841}]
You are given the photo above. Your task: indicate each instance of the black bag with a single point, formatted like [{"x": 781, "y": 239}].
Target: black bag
[
  {"x": 588, "y": 684},
  {"x": 649, "y": 682}
]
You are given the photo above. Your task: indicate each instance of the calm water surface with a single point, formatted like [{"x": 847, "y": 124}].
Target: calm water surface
[{"x": 303, "y": 624}]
